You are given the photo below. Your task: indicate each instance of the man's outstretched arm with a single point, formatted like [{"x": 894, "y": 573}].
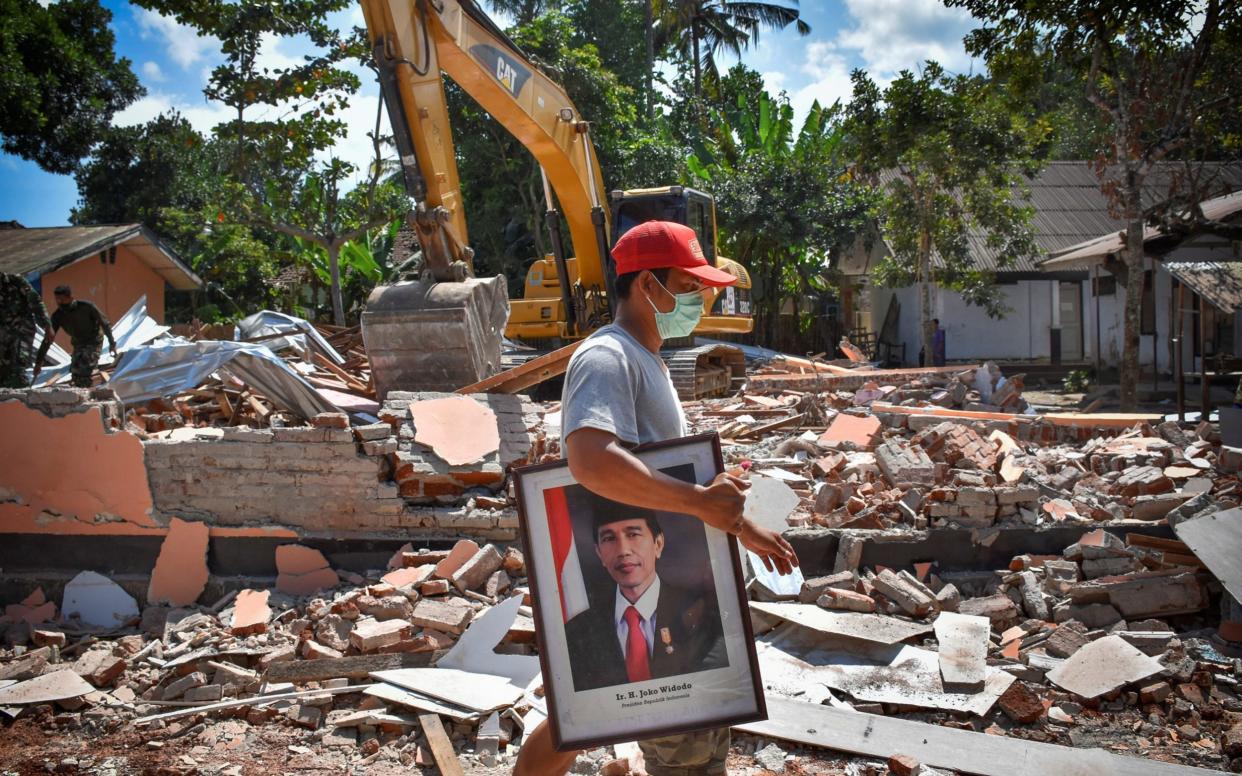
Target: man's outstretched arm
[{"x": 601, "y": 463}]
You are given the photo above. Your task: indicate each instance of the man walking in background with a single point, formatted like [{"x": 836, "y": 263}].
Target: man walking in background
[
  {"x": 21, "y": 312},
  {"x": 86, "y": 327}
]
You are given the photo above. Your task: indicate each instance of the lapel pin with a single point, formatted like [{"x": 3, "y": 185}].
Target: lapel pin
[{"x": 666, "y": 636}]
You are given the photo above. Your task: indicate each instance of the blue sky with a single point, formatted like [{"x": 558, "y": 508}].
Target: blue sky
[{"x": 882, "y": 37}]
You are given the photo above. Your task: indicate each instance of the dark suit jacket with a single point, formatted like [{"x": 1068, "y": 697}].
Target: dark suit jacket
[{"x": 693, "y": 620}]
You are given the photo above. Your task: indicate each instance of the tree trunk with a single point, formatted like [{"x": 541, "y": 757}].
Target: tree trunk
[
  {"x": 698, "y": 71},
  {"x": 334, "y": 266},
  {"x": 925, "y": 312},
  {"x": 649, "y": 25},
  {"x": 1134, "y": 260}
]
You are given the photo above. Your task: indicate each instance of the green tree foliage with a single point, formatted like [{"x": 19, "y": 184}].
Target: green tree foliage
[
  {"x": 948, "y": 159},
  {"x": 166, "y": 175},
  {"x": 783, "y": 198},
  {"x": 60, "y": 82},
  {"x": 698, "y": 30},
  {"x": 1164, "y": 80},
  {"x": 281, "y": 175}
]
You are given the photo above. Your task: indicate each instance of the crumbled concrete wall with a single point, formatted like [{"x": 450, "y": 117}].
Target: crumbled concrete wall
[
  {"x": 64, "y": 467},
  {"x": 372, "y": 480}
]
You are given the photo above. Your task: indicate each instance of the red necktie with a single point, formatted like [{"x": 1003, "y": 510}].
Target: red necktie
[{"x": 636, "y": 665}]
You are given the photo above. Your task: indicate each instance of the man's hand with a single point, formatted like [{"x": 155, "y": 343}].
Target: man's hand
[
  {"x": 770, "y": 546},
  {"x": 722, "y": 502}
]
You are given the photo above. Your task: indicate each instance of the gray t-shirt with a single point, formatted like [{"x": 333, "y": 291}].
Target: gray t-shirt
[{"x": 615, "y": 384}]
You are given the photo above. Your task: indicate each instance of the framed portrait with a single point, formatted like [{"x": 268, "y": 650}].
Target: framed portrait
[{"x": 641, "y": 615}]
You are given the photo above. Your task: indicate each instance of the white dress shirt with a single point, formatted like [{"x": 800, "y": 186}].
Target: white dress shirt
[{"x": 646, "y": 606}]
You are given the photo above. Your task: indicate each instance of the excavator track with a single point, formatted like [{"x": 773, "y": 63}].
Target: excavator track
[{"x": 703, "y": 371}]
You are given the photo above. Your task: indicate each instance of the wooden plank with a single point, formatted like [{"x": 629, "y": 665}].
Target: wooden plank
[
  {"x": 760, "y": 430},
  {"x": 533, "y": 372},
  {"x": 254, "y": 700},
  {"x": 326, "y": 363},
  {"x": 873, "y": 735},
  {"x": 441, "y": 746},
  {"x": 1092, "y": 420},
  {"x": 352, "y": 667}
]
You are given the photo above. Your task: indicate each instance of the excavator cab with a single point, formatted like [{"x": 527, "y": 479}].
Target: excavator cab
[{"x": 725, "y": 310}]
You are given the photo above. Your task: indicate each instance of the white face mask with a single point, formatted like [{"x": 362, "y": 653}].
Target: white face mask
[{"x": 681, "y": 320}]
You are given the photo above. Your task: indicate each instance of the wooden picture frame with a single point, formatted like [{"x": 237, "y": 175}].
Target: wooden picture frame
[{"x": 704, "y": 672}]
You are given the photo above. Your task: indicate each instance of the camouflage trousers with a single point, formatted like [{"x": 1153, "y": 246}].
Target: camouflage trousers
[
  {"x": 83, "y": 363},
  {"x": 16, "y": 356},
  {"x": 701, "y": 753}
]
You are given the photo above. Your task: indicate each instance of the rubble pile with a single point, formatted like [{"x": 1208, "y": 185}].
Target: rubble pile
[
  {"x": 304, "y": 656},
  {"x": 847, "y": 383},
  {"x": 334, "y": 363},
  {"x": 876, "y": 469},
  {"x": 1100, "y": 646}
]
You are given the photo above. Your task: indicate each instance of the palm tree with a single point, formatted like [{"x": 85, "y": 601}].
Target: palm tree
[{"x": 700, "y": 29}]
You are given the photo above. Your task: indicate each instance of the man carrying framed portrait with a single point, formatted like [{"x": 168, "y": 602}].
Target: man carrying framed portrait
[{"x": 618, "y": 395}]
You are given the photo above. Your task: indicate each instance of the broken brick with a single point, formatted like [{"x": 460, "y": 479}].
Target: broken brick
[
  {"x": 99, "y": 667},
  {"x": 180, "y": 572},
  {"x": 370, "y": 635},
  {"x": 450, "y": 616},
  {"x": 474, "y": 572},
  {"x": 860, "y": 431},
  {"x": 1020, "y": 703}
]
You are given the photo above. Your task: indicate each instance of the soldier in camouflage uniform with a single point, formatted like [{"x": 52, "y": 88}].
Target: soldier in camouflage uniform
[
  {"x": 84, "y": 323},
  {"x": 21, "y": 311}
]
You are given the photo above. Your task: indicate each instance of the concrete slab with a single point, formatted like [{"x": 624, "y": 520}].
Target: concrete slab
[
  {"x": 459, "y": 429},
  {"x": 963, "y": 651},
  {"x": 1216, "y": 539},
  {"x": 56, "y": 686},
  {"x": 1103, "y": 666},
  {"x": 876, "y": 628},
  {"x": 770, "y": 502}
]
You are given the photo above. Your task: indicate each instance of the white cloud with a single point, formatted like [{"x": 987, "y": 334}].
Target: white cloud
[
  {"x": 773, "y": 80},
  {"x": 183, "y": 44},
  {"x": 894, "y": 35},
  {"x": 151, "y": 71},
  {"x": 201, "y": 114},
  {"x": 829, "y": 72}
]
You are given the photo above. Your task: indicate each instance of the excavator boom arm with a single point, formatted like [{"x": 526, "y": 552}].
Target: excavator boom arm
[{"x": 413, "y": 42}]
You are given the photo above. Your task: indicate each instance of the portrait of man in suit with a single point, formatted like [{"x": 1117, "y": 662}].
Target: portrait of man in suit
[{"x": 642, "y": 626}]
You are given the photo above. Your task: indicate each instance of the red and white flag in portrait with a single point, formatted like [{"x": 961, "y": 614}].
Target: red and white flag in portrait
[{"x": 565, "y": 555}]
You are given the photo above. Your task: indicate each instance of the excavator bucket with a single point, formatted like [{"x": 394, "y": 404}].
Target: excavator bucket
[{"x": 427, "y": 336}]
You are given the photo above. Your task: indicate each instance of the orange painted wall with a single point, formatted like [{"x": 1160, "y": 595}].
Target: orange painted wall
[
  {"x": 69, "y": 476},
  {"x": 112, "y": 287}
]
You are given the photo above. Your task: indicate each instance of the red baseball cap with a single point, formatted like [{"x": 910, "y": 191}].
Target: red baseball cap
[{"x": 660, "y": 244}]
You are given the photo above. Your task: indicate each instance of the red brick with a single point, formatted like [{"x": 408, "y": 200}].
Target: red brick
[{"x": 1021, "y": 704}]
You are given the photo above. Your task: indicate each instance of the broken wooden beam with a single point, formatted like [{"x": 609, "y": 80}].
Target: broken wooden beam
[
  {"x": 440, "y": 745},
  {"x": 352, "y": 667},
  {"x": 533, "y": 372}
]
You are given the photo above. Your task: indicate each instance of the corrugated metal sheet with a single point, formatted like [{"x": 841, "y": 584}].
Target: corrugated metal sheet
[
  {"x": 1219, "y": 283},
  {"x": 1097, "y": 249},
  {"x": 1070, "y": 209}
]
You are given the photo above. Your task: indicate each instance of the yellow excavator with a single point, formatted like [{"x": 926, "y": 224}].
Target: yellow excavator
[{"x": 444, "y": 329}]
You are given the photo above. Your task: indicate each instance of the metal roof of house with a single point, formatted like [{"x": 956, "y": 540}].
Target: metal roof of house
[
  {"x": 1099, "y": 247},
  {"x": 40, "y": 250},
  {"x": 1220, "y": 283},
  {"x": 1069, "y": 209}
]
